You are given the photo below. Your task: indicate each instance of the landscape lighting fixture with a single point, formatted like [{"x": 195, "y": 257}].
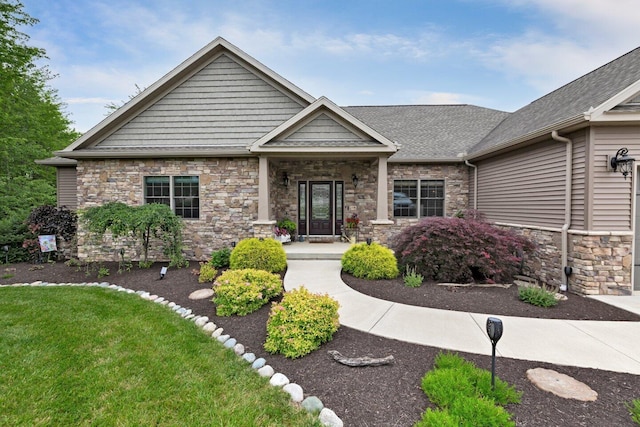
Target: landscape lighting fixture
[
  {"x": 494, "y": 330},
  {"x": 163, "y": 272}
]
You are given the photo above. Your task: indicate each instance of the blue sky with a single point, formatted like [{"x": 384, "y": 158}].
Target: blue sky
[{"x": 499, "y": 54}]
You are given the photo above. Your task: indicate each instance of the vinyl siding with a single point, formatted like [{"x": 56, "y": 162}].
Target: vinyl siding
[
  {"x": 323, "y": 127},
  {"x": 578, "y": 181},
  {"x": 612, "y": 197},
  {"x": 526, "y": 186},
  {"x": 222, "y": 104},
  {"x": 67, "y": 187}
]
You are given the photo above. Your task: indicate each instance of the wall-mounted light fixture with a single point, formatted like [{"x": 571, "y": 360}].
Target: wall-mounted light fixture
[
  {"x": 622, "y": 163},
  {"x": 285, "y": 179},
  {"x": 354, "y": 180}
]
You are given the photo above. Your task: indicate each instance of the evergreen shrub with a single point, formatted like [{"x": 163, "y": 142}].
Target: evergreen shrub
[
  {"x": 207, "y": 273},
  {"x": 220, "y": 258},
  {"x": 260, "y": 254},
  {"x": 371, "y": 262},
  {"x": 461, "y": 250},
  {"x": 300, "y": 323},
  {"x": 244, "y": 291}
]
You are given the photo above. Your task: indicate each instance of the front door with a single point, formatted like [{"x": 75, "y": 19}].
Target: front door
[{"x": 320, "y": 208}]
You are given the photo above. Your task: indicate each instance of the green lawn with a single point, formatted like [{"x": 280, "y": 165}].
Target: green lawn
[{"x": 90, "y": 356}]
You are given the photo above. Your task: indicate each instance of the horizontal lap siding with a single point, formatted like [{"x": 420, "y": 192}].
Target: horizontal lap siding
[
  {"x": 578, "y": 181},
  {"x": 67, "y": 187},
  {"x": 325, "y": 128},
  {"x": 612, "y": 194},
  {"x": 526, "y": 186},
  {"x": 222, "y": 104}
]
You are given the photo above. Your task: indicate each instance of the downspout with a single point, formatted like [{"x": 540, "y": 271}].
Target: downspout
[
  {"x": 567, "y": 205},
  {"x": 475, "y": 184}
]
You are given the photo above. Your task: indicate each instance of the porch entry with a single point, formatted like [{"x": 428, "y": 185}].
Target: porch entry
[{"x": 320, "y": 207}]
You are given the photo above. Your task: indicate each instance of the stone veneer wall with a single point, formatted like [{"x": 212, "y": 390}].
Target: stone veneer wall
[
  {"x": 601, "y": 261},
  {"x": 456, "y": 192},
  {"x": 228, "y": 199}
]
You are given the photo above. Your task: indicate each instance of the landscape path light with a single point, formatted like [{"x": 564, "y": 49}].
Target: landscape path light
[{"x": 494, "y": 330}]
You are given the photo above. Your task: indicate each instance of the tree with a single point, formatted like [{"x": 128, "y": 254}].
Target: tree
[
  {"x": 140, "y": 223},
  {"x": 32, "y": 125}
]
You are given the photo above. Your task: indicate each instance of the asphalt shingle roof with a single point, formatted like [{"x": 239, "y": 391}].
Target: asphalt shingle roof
[
  {"x": 430, "y": 132},
  {"x": 567, "y": 102}
]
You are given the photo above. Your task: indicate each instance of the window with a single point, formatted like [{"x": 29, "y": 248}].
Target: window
[
  {"x": 418, "y": 198},
  {"x": 182, "y": 194}
]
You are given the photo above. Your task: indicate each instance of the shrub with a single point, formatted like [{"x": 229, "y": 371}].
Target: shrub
[
  {"x": 634, "y": 410},
  {"x": 260, "y": 254},
  {"x": 220, "y": 258},
  {"x": 537, "y": 296},
  {"x": 413, "y": 279},
  {"x": 300, "y": 323},
  {"x": 464, "y": 394},
  {"x": 244, "y": 291},
  {"x": 370, "y": 261},
  {"x": 207, "y": 273},
  {"x": 461, "y": 250}
]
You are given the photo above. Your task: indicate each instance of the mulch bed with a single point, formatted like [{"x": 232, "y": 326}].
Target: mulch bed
[{"x": 390, "y": 395}]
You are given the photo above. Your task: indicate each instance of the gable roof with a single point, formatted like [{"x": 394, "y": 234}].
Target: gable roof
[
  {"x": 430, "y": 132},
  {"x": 348, "y": 133},
  {"x": 87, "y": 143},
  {"x": 567, "y": 105}
]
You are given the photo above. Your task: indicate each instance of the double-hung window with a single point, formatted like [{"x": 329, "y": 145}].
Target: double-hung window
[
  {"x": 181, "y": 193},
  {"x": 414, "y": 198}
]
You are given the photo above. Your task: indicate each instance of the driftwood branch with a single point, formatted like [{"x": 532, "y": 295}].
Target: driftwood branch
[{"x": 360, "y": 361}]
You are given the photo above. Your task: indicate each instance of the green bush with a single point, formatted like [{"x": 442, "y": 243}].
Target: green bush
[
  {"x": 207, "y": 273},
  {"x": 370, "y": 261},
  {"x": 300, "y": 323},
  {"x": 288, "y": 225},
  {"x": 244, "y": 291},
  {"x": 413, "y": 279},
  {"x": 260, "y": 254},
  {"x": 220, "y": 258},
  {"x": 537, "y": 296},
  {"x": 634, "y": 410},
  {"x": 438, "y": 418},
  {"x": 464, "y": 393},
  {"x": 461, "y": 250}
]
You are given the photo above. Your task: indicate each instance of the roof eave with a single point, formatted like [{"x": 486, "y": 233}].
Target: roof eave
[
  {"x": 151, "y": 153},
  {"x": 574, "y": 121}
]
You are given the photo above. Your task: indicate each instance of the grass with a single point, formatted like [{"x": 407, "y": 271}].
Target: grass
[{"x": 90, "y": 356}]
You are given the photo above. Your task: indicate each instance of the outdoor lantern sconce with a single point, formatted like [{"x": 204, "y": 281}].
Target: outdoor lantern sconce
[
  {"x": 354, "y": 179},
  {"x": 494, "y": 330},
  {"x": 622, "y": 162},
  {"x": 285, "y": 179}
]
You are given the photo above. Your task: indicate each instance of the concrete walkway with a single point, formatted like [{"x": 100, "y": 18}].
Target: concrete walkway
[{"x": 613, "y": 346}]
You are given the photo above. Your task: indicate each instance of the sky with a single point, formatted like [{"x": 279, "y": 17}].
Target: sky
[{"x": 500, "y": 54}]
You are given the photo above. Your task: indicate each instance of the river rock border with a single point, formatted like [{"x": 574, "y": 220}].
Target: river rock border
[{"x": 311, "y": 404}]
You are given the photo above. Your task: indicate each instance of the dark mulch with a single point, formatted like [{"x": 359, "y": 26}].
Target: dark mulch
[{"x": 390, "y": 395}]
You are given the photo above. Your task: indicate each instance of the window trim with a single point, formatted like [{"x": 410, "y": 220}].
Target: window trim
[
  {"x": 172, "y": 196},
  {"x": 418, "y": 199}
]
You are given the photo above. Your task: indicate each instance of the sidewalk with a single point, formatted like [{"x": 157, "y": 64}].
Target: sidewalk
[{"x": 613, "y": 346}]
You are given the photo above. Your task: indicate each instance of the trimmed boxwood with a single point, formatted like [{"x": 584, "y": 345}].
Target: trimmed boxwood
[
  {"x": 370, "y": 262},
  {"x": 261, "y": 254}
]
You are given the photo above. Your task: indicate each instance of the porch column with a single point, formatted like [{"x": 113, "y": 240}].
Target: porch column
[
  {"x": 382, "y": 205},
  {"x": 263, "y": 190}
]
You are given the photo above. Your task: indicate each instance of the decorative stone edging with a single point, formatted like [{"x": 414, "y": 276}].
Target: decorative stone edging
[{"x": 311, "y": 404}]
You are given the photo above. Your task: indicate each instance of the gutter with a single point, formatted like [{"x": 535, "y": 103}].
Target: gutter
[{"x": 567, "y": 204}]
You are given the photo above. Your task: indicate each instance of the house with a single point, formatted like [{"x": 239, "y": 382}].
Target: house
[{"x": 233, "y": 147}]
